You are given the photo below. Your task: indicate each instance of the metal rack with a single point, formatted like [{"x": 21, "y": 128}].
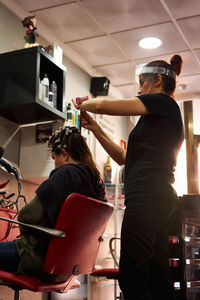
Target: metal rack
[{"x": 189, "y": 229}]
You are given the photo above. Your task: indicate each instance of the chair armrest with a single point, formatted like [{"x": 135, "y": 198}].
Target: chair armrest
[
  {"x": 112, "y": 250},
  {"x": 54, "y": 232}
]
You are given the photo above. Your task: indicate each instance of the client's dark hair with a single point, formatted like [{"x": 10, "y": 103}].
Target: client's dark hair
[
  {"x": 169, "y": 83},
  {"x": 70, "y": 139}
]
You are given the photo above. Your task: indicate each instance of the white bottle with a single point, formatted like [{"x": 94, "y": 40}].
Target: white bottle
[
  {"x": 53, "y": 89},
  {"x": 41, "y": 92},
  {"x": 45, "y": 83},
  {"x": 69, "y": 114},
  {"x": 51, "y": 98}
]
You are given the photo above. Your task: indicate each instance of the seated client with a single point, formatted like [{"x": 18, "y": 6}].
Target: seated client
[{"x": 75, "y": 171}]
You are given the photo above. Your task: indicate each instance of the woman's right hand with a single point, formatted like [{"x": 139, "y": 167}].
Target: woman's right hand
[{"x": 88, "y": 122}]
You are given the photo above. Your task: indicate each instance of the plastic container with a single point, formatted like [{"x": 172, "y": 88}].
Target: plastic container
[
  {"x": 51, "y": 98},
  {"x": 53, "y": 89},
  {"x": 45, "y": 83},
  {"x": 41, "y": 91},
  {"x": 107, "y": 171},
  {"x": 69, "y": 114}
]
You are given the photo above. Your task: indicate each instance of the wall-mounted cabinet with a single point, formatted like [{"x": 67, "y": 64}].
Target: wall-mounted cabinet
[{"x": 20, "y": 73}]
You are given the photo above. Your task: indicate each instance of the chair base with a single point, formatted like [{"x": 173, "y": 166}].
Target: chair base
[{"x": 16, "y": 295}]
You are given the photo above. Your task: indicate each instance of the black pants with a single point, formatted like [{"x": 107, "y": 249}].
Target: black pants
[{"x": 144, "y": 272}]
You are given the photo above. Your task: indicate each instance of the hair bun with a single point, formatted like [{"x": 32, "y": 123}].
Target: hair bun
[{"x": 176, "y": 62}]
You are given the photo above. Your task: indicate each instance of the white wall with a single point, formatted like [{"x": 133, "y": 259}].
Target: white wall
[
  {"x": 77, "y": 81},
  {"x": 12, "y": 31}
]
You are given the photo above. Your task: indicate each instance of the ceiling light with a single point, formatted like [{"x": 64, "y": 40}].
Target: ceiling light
[
  {"x": 150, "y": 43},
  {"x": 183, "y": 86}
]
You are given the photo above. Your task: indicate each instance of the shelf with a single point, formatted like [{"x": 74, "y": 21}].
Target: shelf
[
  {"x": 192, "y": 242},
  {"x": 20, "y": 73},
  {"x": 121, "y": 185},
  {"x": 193, "y": 261},
  {"x": 193, "y": 267},
  {"x": 37, "y": 111},
  {"x": 193, "y": 284},
  {"x": 190, "y": 204},
  {"x": 192, "y": 239}
]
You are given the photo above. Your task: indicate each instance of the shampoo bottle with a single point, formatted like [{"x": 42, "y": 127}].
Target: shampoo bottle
[{"x": 107, "y": 171}]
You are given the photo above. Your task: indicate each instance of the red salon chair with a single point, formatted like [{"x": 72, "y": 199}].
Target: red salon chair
[{"x": 73, "y": 247}]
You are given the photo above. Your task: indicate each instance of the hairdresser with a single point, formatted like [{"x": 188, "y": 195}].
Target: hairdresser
[
  {"x": 75, "y": 171},
  {"x": 150, "y": 161}
]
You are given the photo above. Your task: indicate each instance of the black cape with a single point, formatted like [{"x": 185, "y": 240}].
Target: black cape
[{"x": 67, "y": 179}]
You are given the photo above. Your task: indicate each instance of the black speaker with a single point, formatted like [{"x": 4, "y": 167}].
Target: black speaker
[{"x": 99, "y": 86}]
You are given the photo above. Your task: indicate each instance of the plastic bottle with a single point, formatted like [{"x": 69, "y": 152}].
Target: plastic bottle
[
  {"x": 53, "y": 89},
  {"x": 73, "y": 118},
  {"x": 50, "y": 98},
  {"x": 107, "y": 171},
  {"x": 69, "y": 114},
  {"x": 41, "y": 92},
  {"x": 45, "y": 83},
  {"x": 77, "y": 122}
]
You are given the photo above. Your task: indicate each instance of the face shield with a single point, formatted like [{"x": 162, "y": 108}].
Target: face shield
[
  {"x": 137, "y": 77},
  {"x": 136, "y": 85},
  {"x": 143, "y": 69}
]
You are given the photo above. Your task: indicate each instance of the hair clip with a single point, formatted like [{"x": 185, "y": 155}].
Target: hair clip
[{"x": 57, "y": 141}]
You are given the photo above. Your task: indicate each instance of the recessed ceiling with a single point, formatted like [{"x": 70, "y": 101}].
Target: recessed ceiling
[{"x": 105, "y": 35}]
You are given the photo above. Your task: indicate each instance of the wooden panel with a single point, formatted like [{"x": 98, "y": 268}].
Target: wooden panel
[{"x": 191, "y": 150}]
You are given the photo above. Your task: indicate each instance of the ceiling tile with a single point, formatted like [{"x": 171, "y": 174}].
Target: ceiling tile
[
  {"x": 183, "y": 8},
  {"x": 171, "y": 39},
  {"x": 197, "y": 52},
  {"x": 190, "y": 65},
  {"x": 121, "y": 15},
  {"x": 118, "y": 73},
  {"x": 98, "y": 51},
  {"x": 40, "y": 4},
  {"x": 189, "y": 27},
  {"x": 192, "y": 86},
  {"x": 69, "y": 22},
  {"x": 145, "y": 60}
]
